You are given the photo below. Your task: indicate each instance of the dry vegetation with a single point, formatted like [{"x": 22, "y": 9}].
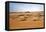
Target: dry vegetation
[{"x": 22, "y": 20}]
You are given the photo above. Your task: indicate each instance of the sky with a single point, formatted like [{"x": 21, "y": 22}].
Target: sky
[{"x": 21, "y": 7}]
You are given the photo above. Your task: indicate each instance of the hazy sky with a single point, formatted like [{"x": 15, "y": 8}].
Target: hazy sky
[{"x": 20, "y": 7}]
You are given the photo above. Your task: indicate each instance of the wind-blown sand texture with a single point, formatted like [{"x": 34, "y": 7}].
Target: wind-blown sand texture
[{"x": 21, "y": 20}]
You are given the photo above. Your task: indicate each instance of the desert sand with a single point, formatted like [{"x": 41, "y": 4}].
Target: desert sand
[{"x": 21, "y": 20}]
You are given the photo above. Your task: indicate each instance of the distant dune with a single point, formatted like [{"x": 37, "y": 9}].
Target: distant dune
[{"x": 29, "y": 12}]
